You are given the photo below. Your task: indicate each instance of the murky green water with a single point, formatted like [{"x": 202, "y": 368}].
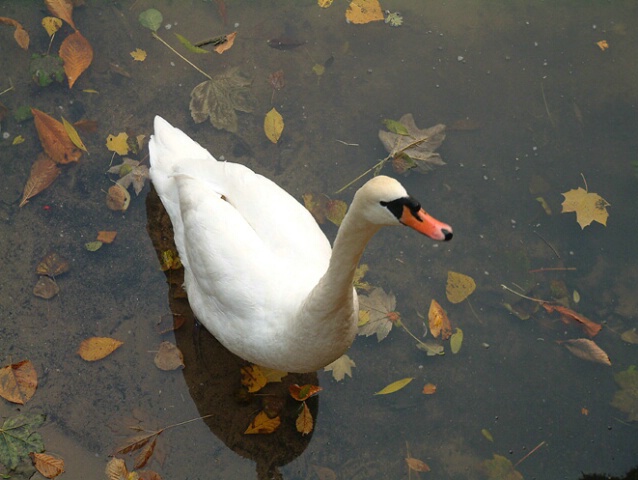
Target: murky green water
[{"x": 546, "y": 103}]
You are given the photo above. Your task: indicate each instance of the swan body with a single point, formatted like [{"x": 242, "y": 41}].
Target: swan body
[{"x": 259, "y": 273}]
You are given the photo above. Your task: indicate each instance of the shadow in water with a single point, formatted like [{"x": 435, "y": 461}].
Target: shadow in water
[{"x": 213, "y": 376}]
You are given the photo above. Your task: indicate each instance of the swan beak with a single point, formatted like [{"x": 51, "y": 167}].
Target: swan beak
[{"x": 423, "y": 222}]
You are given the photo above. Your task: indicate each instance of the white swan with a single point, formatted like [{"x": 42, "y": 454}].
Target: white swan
[{"x": 259, "y": 273}]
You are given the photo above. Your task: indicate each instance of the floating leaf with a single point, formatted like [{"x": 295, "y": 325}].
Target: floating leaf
[
  {"x": 438, "y": 321},
  {"x": 73, "y": 135},
  {"x": 62, "y": 9},
  {"x": 118, "y": 143},
  {"x": 48, "y": 465},
  {"x": 106, "y": 236},
  {"x": 586, "y": 349},
  {"x": 18, "y": 438},
  {"x": 52, "y": 265},
  {"x": 77, "y": 53},
  {"x": 500, "y": 468},
  {"x": 458, "y": 287},
  {"x": 43, "y": 173},
  {"x": 341, "y": 367},
  {"x": 364, "y": 11},
  {"x": 429, "y": 389},
  {"x": 170, "y": 261},
  {"x": 51, "y": 25},
  {"x": 324, "y": 3},
  {"x": 456, "y": 340},
  {"x": 626, "y": 399},
  {"x": 318, "y": 69},
  {"x": 169, "y": 357},
  {"x": 263, "y": 424},
  {"x": 97, "y": 348},
  {"x": 273, "y": 125},
  {"x": 336, "y": 211},
  {"x": 304, "y": 392},
  {"x": 591, "y": 328},
  {"x": 253, "y": 378},
  {"x": 151, "y": 19},
  {"x": 486, "y": 433},
  {"x": 630, "y": 336},
  {"x": 380, "y": 307},
  {"x": 131, "y": 173},
  {"x": 395, "y": 386},
  {"x": 46, "y": 288},
  {"x": 589, "y": 207},
  {"x": 358, "y": 281},
  {"x": 276, "y": 80},
  {"x": 54, "y": 139},
  {"x": 18, "y": 382},
  {"x": 273, "y": 375},
  {"x": 118, "y": 198},
  {"x": 417, "y": 465},
  {"x": 138, "y": 55},
  {"x": 93, "y": 246},
  {"x": 226, "y": 43},
  {"x": 20, "y": 35},
  {"x": 305, "y": 422}
]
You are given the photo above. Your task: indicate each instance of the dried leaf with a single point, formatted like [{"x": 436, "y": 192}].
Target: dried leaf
[
  {"x": 73, "y": 135},
  {"x": 304, "y": 392},
  {"x": 591, "y": 328},
  {"x": 18, "y": 382},
  {"x": 48, "y": 465},
  {"x": 117, "y": 198},
  {"x": 458, "y": 287},
  {"x": 131, "y": 173},
  {"x": 395, "y": 386},
  {"x": 456, "y": 340},
  {"x": 116, "y": 470},
  {"x": 253, "y": 378},
  {"x": 341, "y": 367},
  {"x": 417, "y": 465},
  {"x": 145, "y": 454},
  {"x": 586, "y": 349},
  {"x": 226, "y": 44},
  {"x": 438, "y": 321},
  {"x": 364, "y": 11},
  {"x": 77, "y": 53},
  {"x": 20, "y": 35},
  {"x": 54, "y": 139},
  {"x": 273, "y": 125},
  {"x": 106, "y": 236},
  {"x": 262, "y": 424},
  {"x": 96, "y": 348},
  {"x": 46, "y": 288},
  {"x": 169, "y": 357},
  {"x": 118, "y": 143},
  {"x": 589, "y": 207},
  {"x": 305, "y": 422},
  {"x": 62, "y": 9},
  {"x": 52, "y": 265},
  {"x": 380, "y": 307},
  {"x": 429, "y": 389},
  {"x": 44, "y": 171},
  {"x": 276, "y": 80}
]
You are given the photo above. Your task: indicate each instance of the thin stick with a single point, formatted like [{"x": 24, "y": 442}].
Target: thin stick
[
  {"x": 552, "y": 269},
  {"x": 547, "y": 243},
  {"x": 538, "y": 300},
  {"x": 584, "y": 181},
  {"x": 364, "y": 174},
  {"x": 155, "y": 35},
  {"x": 532, "y": 451},
  {"x": 549, "y": 115},
  {"x": 8, "y": 89}
]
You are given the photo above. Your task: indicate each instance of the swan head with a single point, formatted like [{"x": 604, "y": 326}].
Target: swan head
[{"x": 384, "y": 201}]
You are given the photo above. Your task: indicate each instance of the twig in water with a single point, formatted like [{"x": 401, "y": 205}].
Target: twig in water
[
  {"x": 547, "y": 243},
  {"x": 552, "y": 269},
  {"x": 155, "y": 35},
  {"x": 549, "y": 115},
  {"x": 532, "y": 451}
]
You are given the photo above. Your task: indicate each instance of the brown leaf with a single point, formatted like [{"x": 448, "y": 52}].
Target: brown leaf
[
  {"x": 145, "y": 454},
  {"x": 117, "y": 198},
  {"x": 52, "y": 265},
  {"x": 227, "y": 43},
  {"x": 44, "y": 171},
  {"x": 417, "y": 465},
  {"x": 136, "y": 442},
  {"x": 77, "y": 53},
  {"x": 305, "y": 422},
  {"x": 169, "y": 357},
  {"x": 18, "y": 382},
  {"x": 21, "y": 36},
  {"x": 96, "y": 348},
  {"x": 54, "y": 139},
  {"x": 62, "y": 9},
  {"x": 116, "y": 470},
  {"x": 591, "y": 328},
  {"x": 46, "y": 288},
  {"x": 438, "y": 321},
  {"x": 263, "y": 424},
  {"x": 106, "y": 236},
  {"x": 586, "y": 349},
  {"x": 48, "y": 465}
]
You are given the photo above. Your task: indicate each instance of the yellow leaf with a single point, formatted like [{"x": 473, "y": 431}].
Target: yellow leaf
[
  {"x": 273, "y": 125},
  {"x": 459, "y": 287},
  {"x": 263, "y": 424},
  {"x": 318, "y": 69},
  {"x": 73, "y": 135},
  {"x": 417, "y": 465},
  {"x": 456, "y": 340},
  {"x": 273, "y": 375},
  {"x": 545, "y": 205},
  {"x": 48, "y": 465},
  {"x": 589, "y": 207},
  {"x": 51, "y": 24},
  {"x": 395, "y": 386},
  {"x": 96, "y": 348},
  {"x": 138, "y": 55},
  {"x": 364, "y": 11},
  {"x": 324, "y": 3},
  {"x": 341, "y": 367},
  {"x": 364, "y": 317},
  {"x": 630, "y": 336},
  {"x": 304, "y": 421},
  {"x": 253, "y": 378},
  {"x": 486, "y": 433},
  {"x": 603, "y": 45},
  {"x": 438, "y": 322},
  {"x": 336, "y": 210},
  {"x": 18, "y": 382},
  {"x": 17, "y": 140},
  {"x": 118, "y": 144}
]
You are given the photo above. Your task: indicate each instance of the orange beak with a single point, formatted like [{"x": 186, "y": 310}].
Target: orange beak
[{"x": 426, "y": 224}]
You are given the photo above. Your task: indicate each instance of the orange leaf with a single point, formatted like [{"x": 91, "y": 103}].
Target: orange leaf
[
  {"x": 416, "y": 465},
  {"x": 54, "y": 139},
  {"x": 18, "y": 382},
  {"x": 62, "y": 9},
  {"x": 48, "y": 465},
  {"x": 591, "y": 328},
  {"x": 304, "y": 422},
  {"x": 116, "y": 469},
  {"x": 77, "y": 53},
  {"x": 438, "y": 321},
  {"x": 228, "y": 42},
  {"x": 262, "y": 424},
  {"x": 429, "y": 389},
  {"x": 364, "y": 11},
  {"x": 44, "y": 171},
  {"x": 96, "y": 348},
  {"x": 106, "y": 236},
  {"x": 304, "y": 392},
  {"x": 21, "y": 36}
]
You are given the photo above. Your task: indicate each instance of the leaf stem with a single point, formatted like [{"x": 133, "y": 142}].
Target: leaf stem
[{"x": 155, "y": 35}]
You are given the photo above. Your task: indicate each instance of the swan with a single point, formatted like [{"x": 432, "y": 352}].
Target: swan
[{"x": 259, "y": 273}]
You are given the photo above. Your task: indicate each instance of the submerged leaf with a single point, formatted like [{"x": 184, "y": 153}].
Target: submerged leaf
[
  {"x": 459, "y": 287},
  {"x": 380, "y": 307},
  {"x": 54, "y": 139},
  {"x": 500, "y": 468},
  {"x": 18, "y": 382},
  {"x": 305, "y": 422},
  {"x": 626, "y": 399},
  {"x": 364, "y": 11},
  {"x": 77, "y": 53},
  {"x": 97, "y": 348},
  {"x": 20, "y": 35},
  {"x": 586, "y": 349},
  {"x": 48, "y": 465},
  {"x": 456, "y": 340},
  {"x": 417, "y": 465},
  {"x": 44, "y": 171},
  {"x": 151, "y": 19},
  {"x": 438, "y": 321},
  {"x": 62, "y": 9},
  {"x": 169, "y": 357},
  {"x": 18, "y": 438},
  {"x": 273, "y": 125}
]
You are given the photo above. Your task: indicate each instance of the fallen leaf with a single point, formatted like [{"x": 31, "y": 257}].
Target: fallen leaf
[
  {"x": 118, "y": 143},
  {"x": 43, "y": 173},
  {"x": 52, "y": 265},
  {"x": 116, "y": 470},
  {"x": 170, "y": 261},
  {"x": 591, "y": 328},
  {"x": 438, "y": 321},
  {"x": 358, "y": 281},
  {"x": 273, "y": 375},
  {"x": 395, "y": 127},
  {"x": 603, "y": 45},
  {"x": 486, "y": 433},
  {"x": 341, "y": 367},
  {"x": 336, "y": 211},
  {"x": 324, "y": 473},
  {"x": 589, "y": 207},
  {"x": 305, "y": 422},
  {"x": 168, "y": 357},
  {"x": 417, "y": 465},
  {"x": 77, "y": 53},
  {"x": 458, "y": 287},
  {"x": 20, "y": 34},
  {"x": 395, "y": 386},
  {"x": 584, "y": 411},
  {"x": 465, "y": 125},
  {"x": 151, "y": 19},
  {"x": 117, "y": 198},
  {"x": 262, "y": 424},
  {"x": 456, "y": 340},
  {"x": 54, "y": 139},
  {"x": 303, "y": 392},
  {"x": 48, "y": 465},
  {"x": 93, "y": 246},
  {"x": 189, "y": 45},
  {"x": 273, "y": 125},
  {"x": 276, "y": 80},
  {"x": 380, "y": 307},
  {"x": 322, "y": 207},
  {"x": 500, "y": 468},
  {"x": 106, "y": 236},
  {"x": 18, "y": 438},
  {"x": 73, "y": 135},
  {"x": 429, "y": 389},
  {"x": 226, "y": 44},
  {"x": 364, "y": 11},
  {"x": 630, "y": 336},
  {"x": 138, "y": 55},
  {"x": 131, "y": 173},
  {"x": 324, "y": 3},
  {"x": 46, "y": 288},
  {"x": 18, "y": 382},
  {"x": 253, "y": 378},
  {"x": 62, "y": 9},
  {"x": 51, "y": 25},
  {"x": 145, "y": 454},
  {"x": 586, "y": 349},
  {"x": 626, "y": 399},
  {"x": 97, "y": 348}
]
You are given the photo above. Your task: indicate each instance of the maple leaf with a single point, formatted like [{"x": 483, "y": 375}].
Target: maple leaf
[
  {"x": 131, "y": 172},
  {"x": 380, "y": 307},
  {"x": 589, "y": 206},
  {"x": 341, "y": 367}
]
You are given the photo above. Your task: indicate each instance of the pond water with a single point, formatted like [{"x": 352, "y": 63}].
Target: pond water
[{"x": 534, "y": 108}]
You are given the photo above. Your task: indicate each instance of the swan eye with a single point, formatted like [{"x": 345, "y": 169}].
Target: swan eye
[{"x": 396, "y": 206}]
